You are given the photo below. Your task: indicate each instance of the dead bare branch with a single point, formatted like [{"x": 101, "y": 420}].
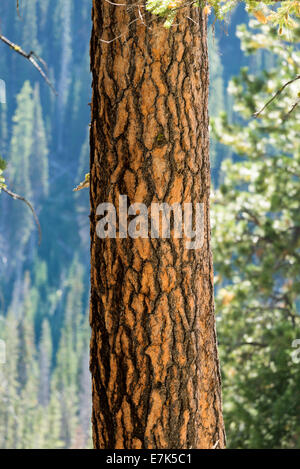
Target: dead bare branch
[
  {"x": 19, "y": 197},
  {"x": 278, "y": 92},
  {"x": 33, "y": 59}
]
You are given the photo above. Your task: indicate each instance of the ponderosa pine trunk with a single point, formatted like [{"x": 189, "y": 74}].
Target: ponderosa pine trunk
[{"x": 154, "y": 360}]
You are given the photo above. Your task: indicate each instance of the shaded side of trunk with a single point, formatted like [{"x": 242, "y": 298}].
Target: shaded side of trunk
[{"x": 154, "y": 360}]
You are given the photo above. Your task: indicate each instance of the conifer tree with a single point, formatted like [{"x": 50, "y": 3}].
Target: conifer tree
[{"x": 256, "y": 246}]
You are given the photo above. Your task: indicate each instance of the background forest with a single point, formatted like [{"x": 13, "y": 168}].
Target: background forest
[{"x": 45, "y": 398}]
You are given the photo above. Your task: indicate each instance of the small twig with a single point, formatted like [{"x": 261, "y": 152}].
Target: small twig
[
  {"x": 253, "y": 344},
  {"x": 216, "y": 444},
  {"x": 193, "y": 21},
  {"x": 141, "y": 16},
  {"x": 32, "y": 57},
  {"x": 291, "y": 110},
  {"x": 122, "y": 34},
  {"x": 19, "y": 197},
  {"x": 40, "y": 60},
  {"x": 125, "y": 4},
  {"x": 18, "y": 9},
  {"x": 278, "y": 92}
]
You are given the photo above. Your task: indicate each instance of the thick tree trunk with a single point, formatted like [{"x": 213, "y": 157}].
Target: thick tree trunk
[{"x": 154, "y": 360}]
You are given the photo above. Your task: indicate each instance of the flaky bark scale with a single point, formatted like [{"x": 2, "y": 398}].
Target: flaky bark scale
[{"x": 154, "y": 360}]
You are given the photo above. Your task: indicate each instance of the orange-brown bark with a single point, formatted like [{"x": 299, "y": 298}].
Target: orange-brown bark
[{"x": 154, "y": 360}]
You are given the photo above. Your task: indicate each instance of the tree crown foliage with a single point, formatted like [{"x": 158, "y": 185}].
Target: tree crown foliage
[{"x": 279, "y": 13}]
